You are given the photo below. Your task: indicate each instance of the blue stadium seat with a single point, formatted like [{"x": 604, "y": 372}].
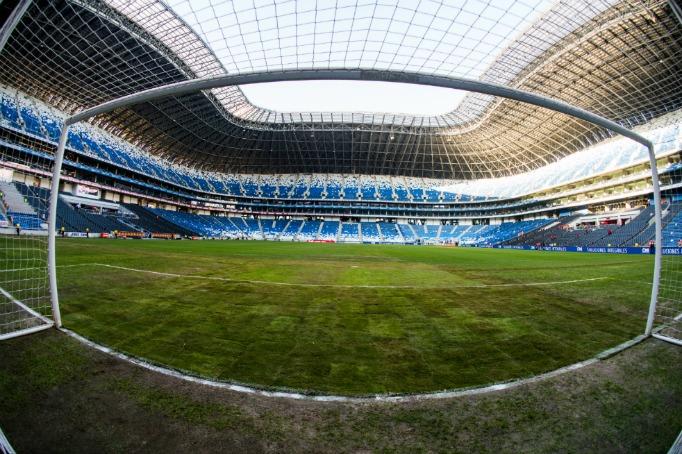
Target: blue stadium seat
[
  {"x": 329, "y": 231},
  {"x": 333, "y": 192}
]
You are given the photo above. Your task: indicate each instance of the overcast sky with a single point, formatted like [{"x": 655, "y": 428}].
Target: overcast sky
[
  {"x": 445, "y": 37},
  {"x": 353, "y": 96}
]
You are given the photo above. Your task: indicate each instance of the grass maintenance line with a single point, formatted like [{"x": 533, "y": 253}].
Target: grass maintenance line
[{"x": 293, "y": 284}]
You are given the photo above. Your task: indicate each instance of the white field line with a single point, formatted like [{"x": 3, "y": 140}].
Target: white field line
[
  {"x": 7, "y": 295},
  {"x": 453, "y": 393},
  {"x": 293, "y": 284}
]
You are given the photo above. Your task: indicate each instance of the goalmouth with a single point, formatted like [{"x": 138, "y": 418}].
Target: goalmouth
[{"x": 28, "y": 285}]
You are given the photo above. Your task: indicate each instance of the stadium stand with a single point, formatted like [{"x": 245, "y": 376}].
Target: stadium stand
[
  {"x": 390, "y": 232},
  {"x": 272, "y": 229},
  {"x": 291, "y": 230},
  {"x": 329, "y": 230},
  {"x": 554, "y": 234},
  {"x": 200, "y": 225},
  {"x": 350, "y": 232},
  {"x": 621, "y": 235},
  {"x": 672, "y": 232},
  {"x": 18, "y": 209},
  {"x": 253, "y": 228},
  {"x": 25, "y": 205},
  {"x": 407, "y": 233},
  {"x": 639, "y": 231},
  {"x": 498, "y": 234},
  {"x": 309, "y": 230},
  {"x": 32, "y": 118},
  {"x": 369, "y": 233},
  {"x": 73, "y": 221},
  {"x": 153, "y": 223}
]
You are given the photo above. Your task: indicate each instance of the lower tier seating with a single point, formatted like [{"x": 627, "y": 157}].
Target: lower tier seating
[
  {"x": 32, "y": 204},
  {"x": 153, "y": 223},
  {"x": 639, "y": 231}
]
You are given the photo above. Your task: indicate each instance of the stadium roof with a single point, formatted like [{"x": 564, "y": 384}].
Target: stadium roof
[{"x": 619, "y": 59}]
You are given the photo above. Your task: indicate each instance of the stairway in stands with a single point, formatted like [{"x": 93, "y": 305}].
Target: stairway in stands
[
  {"x": 15, "y": 201},
  {"x": 19, "y": 210}
]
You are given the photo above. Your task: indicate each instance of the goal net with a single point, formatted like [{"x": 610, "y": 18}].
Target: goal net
[
  {"x": 72, "y": 55},
  {"x": 668, "y": 316},
  {"x": 25, "y": 169}
]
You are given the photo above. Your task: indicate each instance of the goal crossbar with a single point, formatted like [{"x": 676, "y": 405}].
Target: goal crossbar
[{"x": 457, "y": 83}]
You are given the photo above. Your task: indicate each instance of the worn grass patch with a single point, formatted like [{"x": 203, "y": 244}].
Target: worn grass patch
[
  {"x": 57, "y": 395},
  {"x": 442, "y": 331}
]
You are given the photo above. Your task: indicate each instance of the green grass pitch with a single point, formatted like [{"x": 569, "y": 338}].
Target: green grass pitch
[{"x": 350, "y": 319}]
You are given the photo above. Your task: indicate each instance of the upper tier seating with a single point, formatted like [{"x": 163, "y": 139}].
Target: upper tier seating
[
  {"x": 28, "y": 115},
  {"x": 333, "y": 191}
]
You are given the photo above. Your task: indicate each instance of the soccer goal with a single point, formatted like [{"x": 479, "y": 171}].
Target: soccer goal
[
  {"x": 25, "y": 297},
  {"x": 665, "y": 318},
  {"x": 90, "y": 90},
  {"x": 25, "y": 305}
]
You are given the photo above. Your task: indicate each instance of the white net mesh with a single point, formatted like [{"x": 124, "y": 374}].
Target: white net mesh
[
  {"x": 669, "y": 308},
  {"x": 618, "y": 59},
  {"x": 24, "y": 288}
]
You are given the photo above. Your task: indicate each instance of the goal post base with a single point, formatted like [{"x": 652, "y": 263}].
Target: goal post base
[
  {"x": 26, "y": 331},
  {"x": 672, "y": 340}
]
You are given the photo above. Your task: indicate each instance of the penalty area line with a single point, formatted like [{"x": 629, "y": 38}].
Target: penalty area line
[{"x": 294, "y": 284}]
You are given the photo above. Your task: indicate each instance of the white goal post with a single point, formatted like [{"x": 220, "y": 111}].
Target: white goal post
[
  {"x": 30, "y": 288},
  {"x": 207, "y": 83},
  {"x": 24, "y": 294}
]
